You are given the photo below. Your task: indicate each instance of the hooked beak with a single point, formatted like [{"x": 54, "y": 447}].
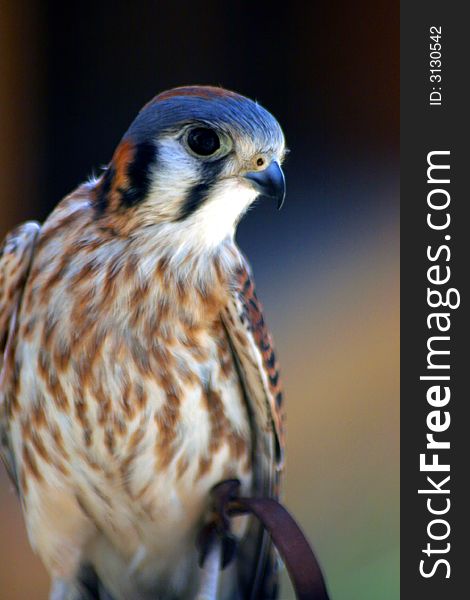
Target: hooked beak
[{"x": 270, "y": 182}]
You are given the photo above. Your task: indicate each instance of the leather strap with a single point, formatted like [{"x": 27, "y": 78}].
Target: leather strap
[
  {"x": 298, "y": 556},
  {"x": 302, "y": 565}
]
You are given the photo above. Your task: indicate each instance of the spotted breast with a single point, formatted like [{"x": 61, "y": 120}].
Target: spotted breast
[{"x": 139, "y": 394}]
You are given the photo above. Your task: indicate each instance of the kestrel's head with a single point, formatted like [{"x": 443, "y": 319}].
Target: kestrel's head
[{"x": 195, "y": 157}]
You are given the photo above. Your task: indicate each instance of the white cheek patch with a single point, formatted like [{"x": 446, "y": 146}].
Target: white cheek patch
[
  {"x": 218, "y": 215},
  {"x": 176, "y": 173}
]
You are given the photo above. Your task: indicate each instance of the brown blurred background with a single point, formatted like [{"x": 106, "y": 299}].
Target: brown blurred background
[{"x": 73, "y": 75}]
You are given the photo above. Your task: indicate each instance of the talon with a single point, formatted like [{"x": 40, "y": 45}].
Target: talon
[{"x": 219, "y": 523}]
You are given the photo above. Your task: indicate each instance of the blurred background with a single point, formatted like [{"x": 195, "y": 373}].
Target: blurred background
[{"x": 73, "y": 76}]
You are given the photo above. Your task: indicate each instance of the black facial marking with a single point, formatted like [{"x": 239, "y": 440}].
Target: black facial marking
[
  {"x": 138, "y": 174},
  {"x": 200, "y": 191},
  {"x": 137, "y": 177},
  {"x": 194, "y": 198}
]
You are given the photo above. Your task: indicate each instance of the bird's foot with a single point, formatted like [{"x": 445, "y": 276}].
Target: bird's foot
[{"x": 218, "y": 524}]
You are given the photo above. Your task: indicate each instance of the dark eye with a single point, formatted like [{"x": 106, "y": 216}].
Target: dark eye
[{"x": 203, "y": 141}]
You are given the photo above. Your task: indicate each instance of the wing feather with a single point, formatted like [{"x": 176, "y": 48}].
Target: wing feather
[
  {"x": 16, "y": 255},
  {"x": 253, "y": 349},
  {"x": 259, "y": 368}
]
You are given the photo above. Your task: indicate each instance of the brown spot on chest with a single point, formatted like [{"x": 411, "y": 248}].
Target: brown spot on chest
[
  {"x": 221, "y": 432},
  {"x": 59, "y": 442},
  {"x": 166, "y": 420},
  {"x": 38, "y": 415},
  {"x": 109, "y": 440},
  {"x": 29, "y": 463}
]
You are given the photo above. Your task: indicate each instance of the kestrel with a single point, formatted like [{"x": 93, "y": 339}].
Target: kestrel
[{"x": 137, "y": 371}]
